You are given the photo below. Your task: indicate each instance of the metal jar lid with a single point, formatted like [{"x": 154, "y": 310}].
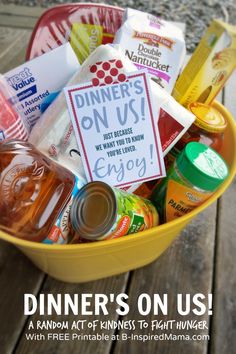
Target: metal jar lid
[
  {"x": 202, "y": 166},
  {"x": 208, "y": 117},
  {"x": 93, "y": 211}
]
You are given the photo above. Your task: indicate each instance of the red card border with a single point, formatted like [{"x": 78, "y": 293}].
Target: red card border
[{"x": 153, "y": 126}]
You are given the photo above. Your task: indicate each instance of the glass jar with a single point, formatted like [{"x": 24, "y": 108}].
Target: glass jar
[
  {"x": 193, "y": 177},
  {"x": 35, "y": 194},
  {"x": 208, "y": 129}
]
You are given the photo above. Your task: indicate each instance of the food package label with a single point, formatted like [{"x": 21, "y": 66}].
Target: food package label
[
  {"x": 34, "y": 80},
  {"x": 209, "y": 67},
  {"x": 85, "y": 38},
  {"x": 154, "y": 44}
]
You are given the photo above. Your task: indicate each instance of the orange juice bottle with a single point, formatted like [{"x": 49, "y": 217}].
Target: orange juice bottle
[{"x": 35, "y": 194}]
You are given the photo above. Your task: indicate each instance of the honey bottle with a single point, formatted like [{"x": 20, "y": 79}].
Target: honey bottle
[{"x": 35, "y": 194}]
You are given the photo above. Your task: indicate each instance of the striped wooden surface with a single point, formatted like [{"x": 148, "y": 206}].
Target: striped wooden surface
[
  {"x": 19, "y": 16},
  {"x": 201, "y": 260}
]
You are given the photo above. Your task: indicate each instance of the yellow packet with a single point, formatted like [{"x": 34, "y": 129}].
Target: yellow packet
[
  {"x": 85, "y": 38},
  {"x": 210, "y": 66}
]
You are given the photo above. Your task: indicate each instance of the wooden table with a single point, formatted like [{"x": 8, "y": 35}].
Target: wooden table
[{"x": 201, "y": 260}]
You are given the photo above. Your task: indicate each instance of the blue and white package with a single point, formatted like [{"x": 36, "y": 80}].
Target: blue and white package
[
  {"x": 36, "y": 79},
  {"x": 48, "y": 100}
]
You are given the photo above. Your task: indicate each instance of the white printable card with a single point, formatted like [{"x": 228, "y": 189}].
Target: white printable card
[{"x": 116, "y": 131}]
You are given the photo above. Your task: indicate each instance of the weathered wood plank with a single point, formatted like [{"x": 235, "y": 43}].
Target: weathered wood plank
[
  {"x": 17, "y": 274},
  {"x": 229, "y": 93},
  {"x": 113, "y": 285},
  {"x": 186, "y": 267},
  {"x": 26, "y": 17},
  {"x": 224, "y": 325},
  {"x": 13, "y": 44},
  {"x": 19, "y": 16},
  {"x": 8, "y": 38},
  {"x": 11, "y": 9},
  {"x": 224, "y": 328},
  {"x": 17, "y": 21}
]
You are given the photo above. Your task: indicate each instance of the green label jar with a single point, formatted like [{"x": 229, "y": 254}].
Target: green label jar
[{"x": 194, "y": 176}]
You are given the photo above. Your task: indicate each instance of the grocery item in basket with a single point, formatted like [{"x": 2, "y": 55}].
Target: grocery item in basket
[
  {"x": 196, "y": 173},
  {"x": 144, "y": 189},
  {"x": 88, "y": 23},
  {"x": 48, "y": 100},
  {"x": 208, "y": 128},
  {"x": 54, "y": 135},
  {"x": 34, "y": 80},
  {"x": 100, "y": 212},
  {"x": 35, "y": 194},
  {"x": 12, "y": 125},
  {"x": 210, "y": 66},
  {"x": 153, "y": 44},
  {"x": 99, "y": 66},
  {"x": 85, "y": 38}
]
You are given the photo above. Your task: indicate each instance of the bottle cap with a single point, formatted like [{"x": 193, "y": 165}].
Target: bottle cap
[
  {"x": 202, "y": 166},
  {"x": 207, "y": 117}
]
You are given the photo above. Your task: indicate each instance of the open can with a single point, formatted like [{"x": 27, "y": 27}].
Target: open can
[{"x": 100, "y": 212}]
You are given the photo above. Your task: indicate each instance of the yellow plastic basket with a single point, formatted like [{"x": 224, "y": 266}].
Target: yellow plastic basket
[{"x": 91, "y": 261}]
